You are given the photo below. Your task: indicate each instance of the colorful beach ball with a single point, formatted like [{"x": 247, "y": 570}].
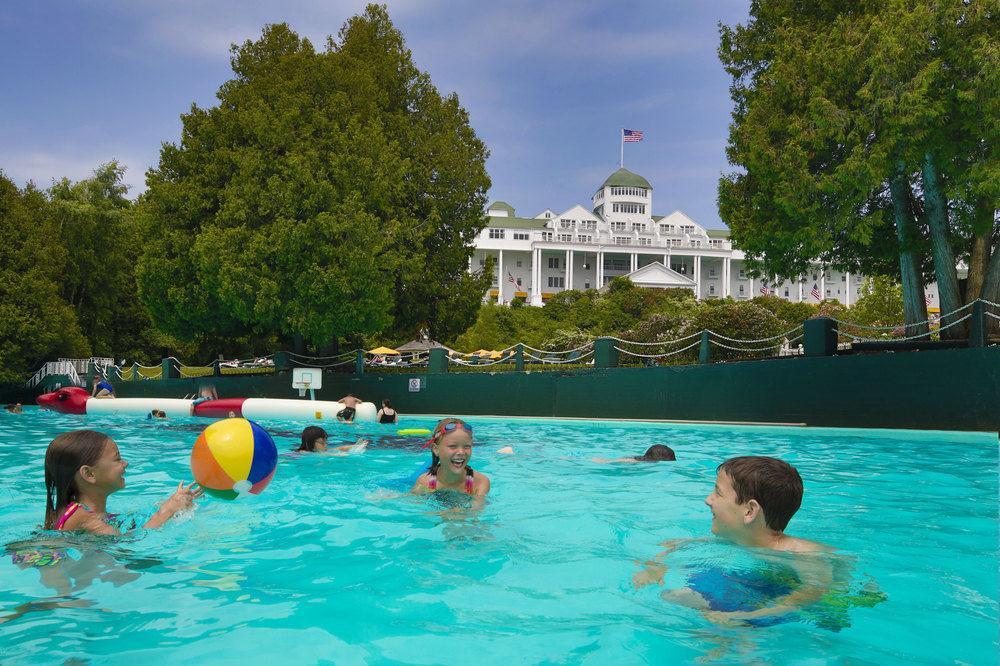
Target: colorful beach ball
[{"x": 233, "y": 457}]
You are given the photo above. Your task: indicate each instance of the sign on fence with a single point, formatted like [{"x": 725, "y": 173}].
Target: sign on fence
[{"x": 414, "y": 384}]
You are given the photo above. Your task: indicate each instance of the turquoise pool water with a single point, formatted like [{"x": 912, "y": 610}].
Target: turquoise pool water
[{"x": 330, "y": 565}]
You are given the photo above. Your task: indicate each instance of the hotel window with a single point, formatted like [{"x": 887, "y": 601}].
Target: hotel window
[
  {"x": 843, "y": 278},
  {"x": 645, "y": 241},
  {"x": 615, "y": 265},
  {"x": 696, "y": 243},
  {"x": 827, "y": 292},
  {"x": 815, "y": 276},
  {"x": 559, "y": 282},
  {"x": 482, "y": 262},
  {"x": 565, "y": 238},
  {"x": 687, "y": 229},
  {"x": 786, "y": 292},
  {"x": 741, "y": 289},
  {"x": 711, "y": 272},
  {"x": 566, "y": 224},
  {"x": 666, "y": 228},
  {"x": 547, "y": 236},
  {"x": 743, "y": 274},
  {"x": 586, "y": 284},
  {"x": 518, "y": 282},
  {"x": 518, "y": 263},
  {"x": 675, "y": 242},
  {"x": 628, "y": 191},
  {"x": 622, "y": 240},
  {"x": 553, "y": 262},
  {"x": 638, "y": 226},
  {"x": 520, "y": 236},
  {"x": 498, "y": 233},
  {"x": 588, "y": 225},
  {"x": 585, "y": 239},
  {"x": 617, "y": 226},
  {"x": 711, "y": 290},
  {"x": 629, "y": 208}
]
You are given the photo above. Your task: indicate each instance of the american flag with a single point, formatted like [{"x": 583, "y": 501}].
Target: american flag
[
  {"x": 631, "y": 135},
  {"x": 510, "y": 278},
  {"x": 927, "y": 299},
  {"x": 815, "y": 293},
  {"x": 764, "y": 289}
]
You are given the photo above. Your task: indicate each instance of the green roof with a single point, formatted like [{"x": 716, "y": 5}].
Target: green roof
[
  {"x": 625, "y": 178},
  {"x": 501, "y": 205},
  {"x": 717, "y": 233},
  {"x": 515, "y": 223}
]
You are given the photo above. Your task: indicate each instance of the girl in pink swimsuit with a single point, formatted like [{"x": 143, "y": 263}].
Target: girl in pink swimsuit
[
  {"x": 451, "y": 449},
  {"x": 82, "y": 468}
]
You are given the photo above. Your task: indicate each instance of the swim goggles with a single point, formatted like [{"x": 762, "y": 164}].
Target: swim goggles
[{"x": 446, "y": 428}]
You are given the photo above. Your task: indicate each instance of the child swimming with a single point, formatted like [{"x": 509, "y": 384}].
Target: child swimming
[
  {"x": 315, "y": 440},
  {"x": 451, "y": 450},
  {"x": 82, "y": 468},
  {"x": 655, "y": 453},
  {"x": 752, "y": 502}
]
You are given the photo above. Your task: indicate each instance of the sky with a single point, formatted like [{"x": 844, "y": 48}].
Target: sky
[{"x": 548, "y": 85}]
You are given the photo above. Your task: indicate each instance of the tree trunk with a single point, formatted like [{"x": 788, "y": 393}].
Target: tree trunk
[
  {"x": 936, "y": 210},
  {"x": 914, "y": 305},
  {"x": 979, "y": 254},
  {"x": 991, "y": 292},
  {"x": 298, "y": 344}
]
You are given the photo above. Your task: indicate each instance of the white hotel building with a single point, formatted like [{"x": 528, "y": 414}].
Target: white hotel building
[{"x": 617, "y": 235}]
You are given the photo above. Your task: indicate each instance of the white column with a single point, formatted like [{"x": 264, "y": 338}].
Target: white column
[
  {"x": 635, "y": 261},
  {"x": 666, "y": 260},
  {"x": 822, "y": 283},
  {"x": 800, "y": 288},
  {"x": 600, "y": 269},
  {"x": 500, "y": 279},
  {"x": 697, "y": 276},
  {"x": 566, "y": 270},
  {"x": 726, "y": 269},
  {"x": 848, "y": 303},
  {"x": 752, "y": 290},
  {"x": 570, "y": 269},
  {"x": 536, "y": 277}
]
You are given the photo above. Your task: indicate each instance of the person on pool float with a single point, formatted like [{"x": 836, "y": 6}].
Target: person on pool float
[
  {"x": 655, "y": 453},
  {"x": 346, "y": 415},
  {"x": 205, "y": 393},
  {"x": 315, "y": 440},
  {"x": 451, "y": 450},
  {"x": 102, "y": 388},
  {"x": 82, "y": 468},
  {"x": 753, "y": 500}
]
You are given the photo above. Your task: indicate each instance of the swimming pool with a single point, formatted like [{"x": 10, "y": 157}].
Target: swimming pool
[{"x": 329, "y": 565}]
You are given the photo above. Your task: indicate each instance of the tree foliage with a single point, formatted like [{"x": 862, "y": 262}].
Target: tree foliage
[
  {"x": 328, "y": 195},
  {"x": 36, "y": 322}
]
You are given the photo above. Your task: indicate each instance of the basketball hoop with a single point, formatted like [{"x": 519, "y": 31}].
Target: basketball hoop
[
  {"x": 307, "y": 379},
  {"x": 303, "y": 387}
]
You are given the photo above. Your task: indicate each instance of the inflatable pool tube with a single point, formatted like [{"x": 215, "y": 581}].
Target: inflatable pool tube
[
  {"x": 75, "y": 400},
  {"x": 413, "y": 431}
]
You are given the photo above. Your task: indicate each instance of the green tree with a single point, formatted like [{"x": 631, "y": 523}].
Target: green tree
[
  {"x": 329, "y": 195},
  {"x": 880, "y": 303},
  {"x": 853, "y": 122},
  {"x": 36, "y": 323},
  {"x": 742, "y": 320}
]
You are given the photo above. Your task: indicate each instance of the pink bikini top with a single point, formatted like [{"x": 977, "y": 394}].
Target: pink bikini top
[{"x": 432, "y": 482}]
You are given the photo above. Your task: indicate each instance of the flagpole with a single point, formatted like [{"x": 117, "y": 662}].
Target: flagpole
[{"x": 621, "y": 159}]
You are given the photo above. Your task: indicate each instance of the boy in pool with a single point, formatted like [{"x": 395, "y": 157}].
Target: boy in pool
[
  {"x": 315, "y": 440},
  {"x": 753, "y": 500}
]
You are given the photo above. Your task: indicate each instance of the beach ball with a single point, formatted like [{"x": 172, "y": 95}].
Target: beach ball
[{"x": 233, "y": 457}]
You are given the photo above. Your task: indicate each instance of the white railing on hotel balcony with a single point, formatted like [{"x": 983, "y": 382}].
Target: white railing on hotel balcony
[{"x": 65, "y": 367}]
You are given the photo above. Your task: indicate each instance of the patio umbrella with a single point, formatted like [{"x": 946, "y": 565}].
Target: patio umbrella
[{"x": 383, "y": 351}]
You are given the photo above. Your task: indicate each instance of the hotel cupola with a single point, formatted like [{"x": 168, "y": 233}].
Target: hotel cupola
[{"x": 623, "y": 196}]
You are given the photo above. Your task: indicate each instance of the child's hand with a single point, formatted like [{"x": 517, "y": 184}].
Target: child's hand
[
  {"x": 650, "y": 575},
  {"x": 183, "y": 498},
  {"x": 728, "y": 619}
]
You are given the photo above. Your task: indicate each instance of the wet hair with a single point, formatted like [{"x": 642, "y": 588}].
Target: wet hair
[
  {"x": 10, "y": 407},
  {"x": 309, "y": 437},
  {"x": 66, "y": 454},
  {"x": 438, "y": 434},
  {"x": 656, "y": 453},
  {"x": 386, "y": 403},
  {"x": 775, "y": 485}
]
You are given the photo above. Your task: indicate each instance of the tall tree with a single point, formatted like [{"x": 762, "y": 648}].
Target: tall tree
[
  {"x": 36, "y": 323},
  {"x": 328, "y": 195}
]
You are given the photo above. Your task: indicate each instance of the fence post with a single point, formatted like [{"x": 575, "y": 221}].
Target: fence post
[
  {"x": 605, "y": 354},
  {"x": 170, "y": 371},
  {"x": 281, "y": 361},
  {"x": 705, "y": 348},
  {"x": 135, "y": 371},
  {"x": 437, "y": 361},
  {"x": 819, "y": 336},
  {"x": 977, "y": 325},
  {"x": 519, "y": 357},
  {"x": 359, "y": 362},
  {"x": 89, "y": 374}
]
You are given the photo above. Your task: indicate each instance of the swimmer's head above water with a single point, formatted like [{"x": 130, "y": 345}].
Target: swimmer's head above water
[
  {"x": 314, "y": 438},
  {"x": 657, "y": 453}
]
